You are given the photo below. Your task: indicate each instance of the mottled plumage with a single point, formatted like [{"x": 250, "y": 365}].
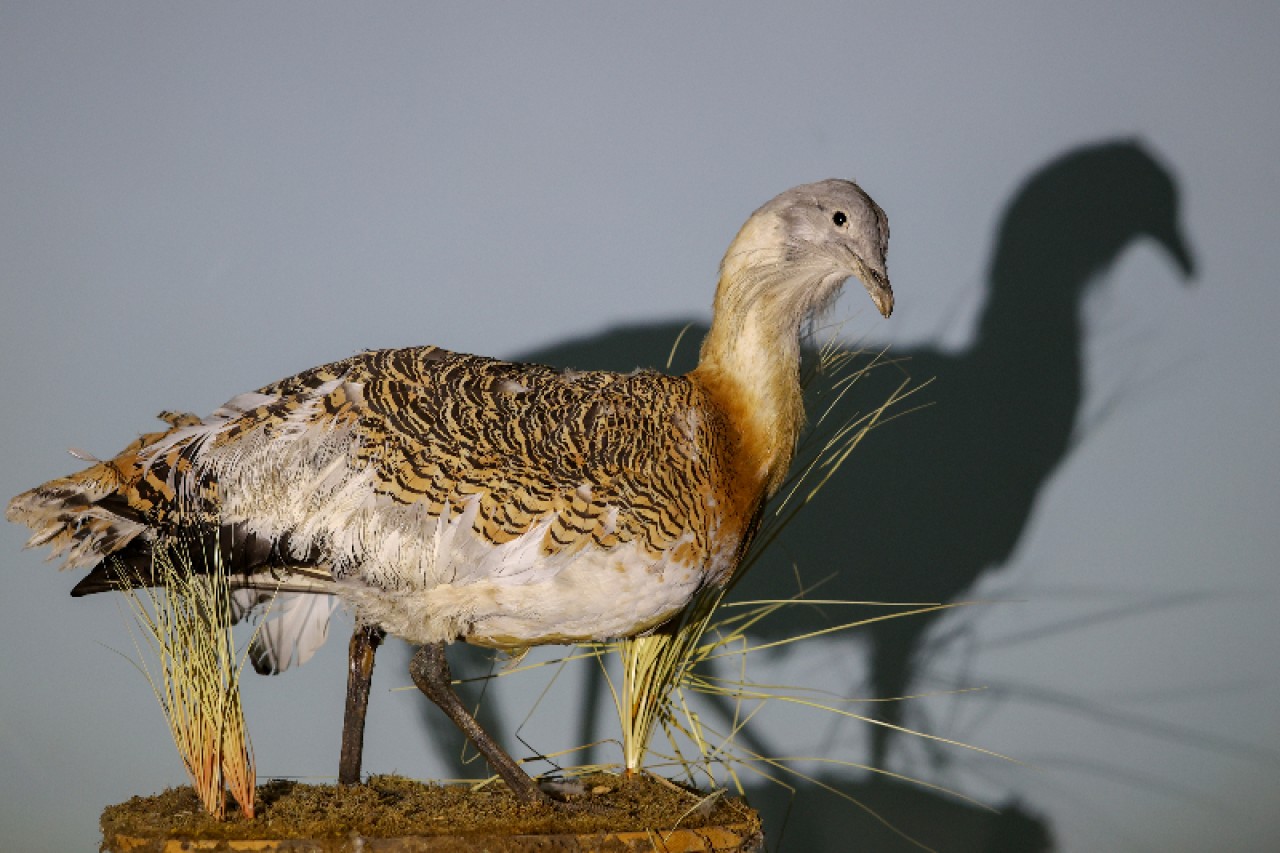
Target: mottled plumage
[
  {"x": 453, "y": 497},
  {"x": 409, "y": 470}
]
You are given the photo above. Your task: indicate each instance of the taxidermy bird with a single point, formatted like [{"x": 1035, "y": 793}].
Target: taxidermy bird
[{"x": 447, "y": 497}]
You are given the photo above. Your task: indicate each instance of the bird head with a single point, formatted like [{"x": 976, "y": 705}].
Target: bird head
[{"x": 794, "y": 253}]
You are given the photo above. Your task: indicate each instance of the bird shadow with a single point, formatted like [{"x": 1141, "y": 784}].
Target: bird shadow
[{"x": 936, "y": 499}]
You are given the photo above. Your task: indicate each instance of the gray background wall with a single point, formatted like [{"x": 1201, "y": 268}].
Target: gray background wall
[{"x": 197, "y": 200}]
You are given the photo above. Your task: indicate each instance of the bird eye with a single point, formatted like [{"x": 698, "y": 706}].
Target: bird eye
[{"x": 839, "y": 218}]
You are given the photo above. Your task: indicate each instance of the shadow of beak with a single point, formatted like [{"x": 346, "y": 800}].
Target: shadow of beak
[{"x": 1175, "y": 243}]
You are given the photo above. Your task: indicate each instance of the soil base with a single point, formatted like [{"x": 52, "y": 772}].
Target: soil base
[{"x": 390, "y": 813}]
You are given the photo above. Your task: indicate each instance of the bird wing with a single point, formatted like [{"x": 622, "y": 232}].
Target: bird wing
[
  {"x": 366, "y": 464},
  {"x": 585, "y": 459}
]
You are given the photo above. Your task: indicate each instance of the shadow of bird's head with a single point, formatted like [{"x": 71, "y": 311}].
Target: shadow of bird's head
[{"x": 1072, "y": 218}]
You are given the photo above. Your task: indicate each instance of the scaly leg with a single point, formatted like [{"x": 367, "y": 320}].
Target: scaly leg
[
  {"x": 364, "y": 643},
  {"x": 429, "y": 669}
]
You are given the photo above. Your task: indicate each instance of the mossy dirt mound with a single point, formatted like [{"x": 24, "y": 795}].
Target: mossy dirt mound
[{"x": 611, "y": 809}]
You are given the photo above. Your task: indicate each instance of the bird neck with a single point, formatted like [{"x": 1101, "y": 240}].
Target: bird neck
[{"x": 750, "y": 368}]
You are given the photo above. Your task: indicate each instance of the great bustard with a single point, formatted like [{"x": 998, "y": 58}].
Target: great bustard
[{"x": 451, "y": 497}]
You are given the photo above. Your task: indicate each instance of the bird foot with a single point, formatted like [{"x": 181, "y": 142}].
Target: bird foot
[{"x": 569, "y": 795}]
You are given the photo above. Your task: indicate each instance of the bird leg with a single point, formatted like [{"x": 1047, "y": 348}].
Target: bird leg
[
  {"x": 364, "y": 643},
  {"x": 429, "y": 669}
]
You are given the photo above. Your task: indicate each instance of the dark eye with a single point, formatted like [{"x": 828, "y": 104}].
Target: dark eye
[{"x": 839, "y": 218}]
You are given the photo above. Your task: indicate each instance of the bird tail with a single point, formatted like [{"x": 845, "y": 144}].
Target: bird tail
[
  {"x": 86, "y": 519},
  {"x": 80, "y": 517},
  {"x": 88, "y": 516}
]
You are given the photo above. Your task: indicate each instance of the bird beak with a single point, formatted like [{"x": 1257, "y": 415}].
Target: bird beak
[{"x": 878, "y": 288}]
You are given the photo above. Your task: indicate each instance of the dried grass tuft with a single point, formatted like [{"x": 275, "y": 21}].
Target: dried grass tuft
[{"x": 185, "y": 624}]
